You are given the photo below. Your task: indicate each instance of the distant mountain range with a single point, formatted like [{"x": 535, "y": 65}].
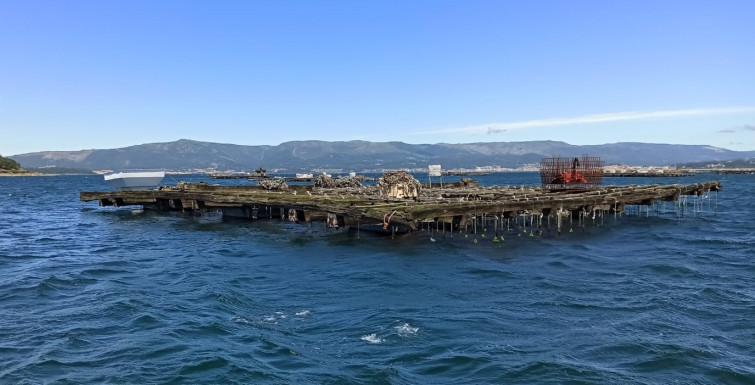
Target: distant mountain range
[{"x": 362, "y": 155}]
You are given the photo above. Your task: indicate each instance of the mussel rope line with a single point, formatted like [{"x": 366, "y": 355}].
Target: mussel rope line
[
  {"x": 698, "y": 202},
  {"x": 475, "y": 217},
  {"x": 694, "y": 204}
]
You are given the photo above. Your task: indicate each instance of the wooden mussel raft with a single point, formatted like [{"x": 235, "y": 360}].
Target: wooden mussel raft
[{"x": 398, "y": 203}]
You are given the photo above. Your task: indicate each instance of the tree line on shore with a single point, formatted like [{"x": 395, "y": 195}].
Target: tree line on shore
[{"x": 8, "y": 164}]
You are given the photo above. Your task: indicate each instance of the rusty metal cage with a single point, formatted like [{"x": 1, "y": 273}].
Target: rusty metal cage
[{"x": 577, "y": 172}]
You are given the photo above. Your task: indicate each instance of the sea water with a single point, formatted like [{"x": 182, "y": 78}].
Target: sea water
[{"x": 126, "y": 296}]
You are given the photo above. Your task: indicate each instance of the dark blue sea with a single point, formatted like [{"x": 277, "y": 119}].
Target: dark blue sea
[{"x": 92, "y": 295}]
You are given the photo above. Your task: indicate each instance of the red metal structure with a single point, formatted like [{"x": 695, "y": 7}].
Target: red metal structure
[{"x": 582, "y": 172}]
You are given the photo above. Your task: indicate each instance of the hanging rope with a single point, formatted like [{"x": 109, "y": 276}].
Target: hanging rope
[{"x": 388, "y": 220}]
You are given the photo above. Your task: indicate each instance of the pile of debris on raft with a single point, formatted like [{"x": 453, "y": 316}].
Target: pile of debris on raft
[
  {"x": 274, "y": 184},
  {"x": 325, "y": 181},
  {"x": 399, "y": 185}
]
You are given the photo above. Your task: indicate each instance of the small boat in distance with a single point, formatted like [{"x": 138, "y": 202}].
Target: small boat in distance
[{"x": 135, "y": 180}]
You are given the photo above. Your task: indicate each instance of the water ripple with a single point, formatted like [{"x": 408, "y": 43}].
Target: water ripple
[{"x": 103, "y": 295}]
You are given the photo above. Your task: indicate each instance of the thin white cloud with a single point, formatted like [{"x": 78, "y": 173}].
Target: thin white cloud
[
  {"x": 493, "y": 128},
  {"x": 746, "y": 127}
]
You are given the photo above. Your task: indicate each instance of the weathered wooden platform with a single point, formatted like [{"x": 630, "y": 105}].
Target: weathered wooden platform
[{"x": 455, "y": 207}]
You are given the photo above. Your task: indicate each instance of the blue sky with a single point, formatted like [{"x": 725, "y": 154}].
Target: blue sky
[{"x": 104, "y": 74}]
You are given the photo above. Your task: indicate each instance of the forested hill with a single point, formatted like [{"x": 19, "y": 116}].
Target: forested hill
[
  {"x": 8, "y": 164},
  {"x": 362, "y": 155}
]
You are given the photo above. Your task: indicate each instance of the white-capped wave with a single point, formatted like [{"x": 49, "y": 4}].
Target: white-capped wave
[
  {"x": 240, "y": 320},
  {"x": 372, "y": 338},
  {"x": 303, "y": 313},
  {"x": 278, "y": 315},
  {"x": 406, "y": 330}
]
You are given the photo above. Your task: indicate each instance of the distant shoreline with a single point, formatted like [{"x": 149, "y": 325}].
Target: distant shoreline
[{"x": 25, "y": 174}]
